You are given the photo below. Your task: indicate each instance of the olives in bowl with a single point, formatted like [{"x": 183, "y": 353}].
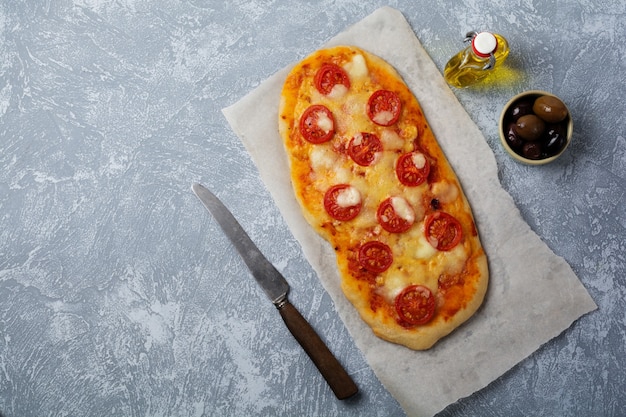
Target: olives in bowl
[{"x": 535, "y": 127}]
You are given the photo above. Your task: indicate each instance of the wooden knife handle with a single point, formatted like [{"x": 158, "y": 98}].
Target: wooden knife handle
[{"x": 338, "y": 379}]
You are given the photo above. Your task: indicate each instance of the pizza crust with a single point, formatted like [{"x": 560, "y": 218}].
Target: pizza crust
[{"x": 458, "y": 278}]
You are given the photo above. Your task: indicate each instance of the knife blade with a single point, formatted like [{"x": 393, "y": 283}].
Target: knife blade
[{"x": 276, "y": 288}]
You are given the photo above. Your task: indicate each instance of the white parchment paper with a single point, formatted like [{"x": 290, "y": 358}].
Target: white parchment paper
[{"x": 527, "y": 303}]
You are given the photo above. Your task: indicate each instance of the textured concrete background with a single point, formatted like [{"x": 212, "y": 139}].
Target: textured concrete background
[{"x": 120, "y": 296}]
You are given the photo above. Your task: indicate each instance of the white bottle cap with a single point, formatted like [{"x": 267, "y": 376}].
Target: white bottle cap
[{"x": 484, "y": 44}]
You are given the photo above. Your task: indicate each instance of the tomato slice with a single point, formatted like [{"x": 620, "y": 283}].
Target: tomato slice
[
  {"x": 395, "y": 215},
  {"x": 383, "y": 107},
  {"x": 364, "y": 147},
  {"x": 328, "y": 76},
  {"x": 317, "y": 124},
  {"x": 412, "y": 168},
  {"x": 442, "y": 231},
  {"x": 375, "y": 256},
  {"x": 342, "y": 202},
  {"x": 415, "y": 305}
]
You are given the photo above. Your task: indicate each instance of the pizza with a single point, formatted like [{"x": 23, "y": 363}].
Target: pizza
[{"x": 373, "y": 181}]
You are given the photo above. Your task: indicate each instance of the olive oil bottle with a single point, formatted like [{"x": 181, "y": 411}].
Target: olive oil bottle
[{"x": 485, "y": 52}]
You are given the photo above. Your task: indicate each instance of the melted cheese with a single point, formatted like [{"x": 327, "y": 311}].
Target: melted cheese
[
  {"x": 403, "y": 209},
  {"x": 324, "y": 122},
  {"x": 415, "y": 197},
  {"x": 338, "y": 91},
  {"x": 450, "y": 263},
  {"x": 358, "y": 139},
  {"x": 418, "y": 159},
  {"x": 356, "y": 68},
  {"x": 409, "y": 132},
  {"x": 348, "y": 197},
  {"x": 342, "y": 176},
  {"x": 391, "y": 140},
  {"x": 322, "y": 158},
  {"x": 392, "y": 285},
  {"x": 383, "y": 117},
  {"x": 445, "y": 191},
  {"x": 454, "y": 260},
  {"x": 423, "y": 249}
]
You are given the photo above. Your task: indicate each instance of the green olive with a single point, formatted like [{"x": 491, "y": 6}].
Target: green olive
[
  {"x": 529, "y": 127},
  {"x": 550, "y": 109}
]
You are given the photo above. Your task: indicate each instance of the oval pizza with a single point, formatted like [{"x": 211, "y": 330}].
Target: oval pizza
[{"x": 372, "y": 180}]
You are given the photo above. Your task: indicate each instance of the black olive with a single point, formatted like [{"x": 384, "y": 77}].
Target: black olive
[
  {"x": 434, "y": 203},
  {"x": 554, "y": 139},
  {"x": 512, "y": 138},
  {"x": 520, "y": 108},
  {"x": 531, "y": 150}
]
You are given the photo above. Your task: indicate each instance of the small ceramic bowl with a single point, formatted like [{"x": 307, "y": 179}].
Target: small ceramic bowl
[{"x": 555, "y": 138}]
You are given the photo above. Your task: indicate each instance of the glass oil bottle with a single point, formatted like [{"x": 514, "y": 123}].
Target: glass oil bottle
[{"x": 485, "y": 52}]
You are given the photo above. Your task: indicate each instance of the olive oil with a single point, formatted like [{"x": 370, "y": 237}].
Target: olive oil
[{"x": 485, "y": 52}]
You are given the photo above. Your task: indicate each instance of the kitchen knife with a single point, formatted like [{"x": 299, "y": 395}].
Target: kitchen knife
[{"x": 277, "y": 288}]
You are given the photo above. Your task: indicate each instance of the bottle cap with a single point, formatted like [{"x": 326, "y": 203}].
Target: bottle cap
[{"x": 484, "y": 44}]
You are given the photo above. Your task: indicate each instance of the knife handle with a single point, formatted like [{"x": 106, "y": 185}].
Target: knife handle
[{"x": 338, "y": 379}]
